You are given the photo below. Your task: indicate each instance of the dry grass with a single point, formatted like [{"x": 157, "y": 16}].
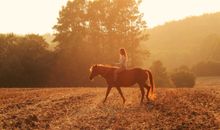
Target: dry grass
[{"x": 82, "y": 108}]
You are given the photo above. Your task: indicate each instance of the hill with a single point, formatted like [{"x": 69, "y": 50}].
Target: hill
[{"x": 187, "y": 41}]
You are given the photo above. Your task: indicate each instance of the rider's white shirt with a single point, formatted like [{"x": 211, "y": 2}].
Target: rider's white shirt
[{"x": 123, "y": 61}]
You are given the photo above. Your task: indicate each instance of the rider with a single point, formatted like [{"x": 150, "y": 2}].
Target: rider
[{"x": 122, "y": 63}]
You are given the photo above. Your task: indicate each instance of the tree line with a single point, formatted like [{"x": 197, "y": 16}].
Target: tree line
[
  {"x": 87, "y": 32},
  {"x": 24, "y": 60}
]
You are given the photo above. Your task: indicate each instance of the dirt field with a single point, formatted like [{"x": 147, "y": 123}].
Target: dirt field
[{"x": 82, "y": 108}]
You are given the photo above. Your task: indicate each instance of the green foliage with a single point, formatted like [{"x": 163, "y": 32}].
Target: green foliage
[
  {"x": 183, "y": 77},
  {"x": 91, "y": 32},
  {"x": 159, "y": 72},
  {"x": 208, "y": 68}
]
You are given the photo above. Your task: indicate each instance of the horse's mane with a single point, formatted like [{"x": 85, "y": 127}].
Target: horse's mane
[
  {"x": 103, "y": 66},
  {"x": 106, "y": 66}
]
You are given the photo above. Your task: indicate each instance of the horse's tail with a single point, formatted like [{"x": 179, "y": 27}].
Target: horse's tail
[{"x": 151, "y": 83}]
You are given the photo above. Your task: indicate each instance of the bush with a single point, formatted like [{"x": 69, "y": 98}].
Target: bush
[{"x": 183, "y": 78}]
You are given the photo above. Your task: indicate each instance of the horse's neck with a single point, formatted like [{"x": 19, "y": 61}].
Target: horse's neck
[{"x": 103, "y": 71}]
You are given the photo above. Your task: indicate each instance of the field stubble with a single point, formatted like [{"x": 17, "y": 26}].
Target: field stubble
[{"x": 82, "y": 108}]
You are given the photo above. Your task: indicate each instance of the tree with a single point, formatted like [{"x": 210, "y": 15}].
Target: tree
[
  {"x": 119, "y": 24},
  {"x": 24, "y": 60},
  {"x": 160, "y": 74},
  {"x": 92, "y": 32}
]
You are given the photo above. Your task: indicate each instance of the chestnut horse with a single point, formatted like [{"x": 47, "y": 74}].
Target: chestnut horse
[{"x": 125, "y": 78}]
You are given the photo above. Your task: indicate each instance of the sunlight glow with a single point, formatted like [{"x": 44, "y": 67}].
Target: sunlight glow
[
  {"x": 29, "y": 16},
  {"x": 157, "y": 12},
  {"x": 39, "y": 16}
]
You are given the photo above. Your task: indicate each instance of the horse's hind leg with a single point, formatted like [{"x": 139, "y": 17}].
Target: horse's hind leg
[
  {"x": 148, "y": 90},
  {"x": 120, "y": 92},
  {"x": 142, "y": 93}
]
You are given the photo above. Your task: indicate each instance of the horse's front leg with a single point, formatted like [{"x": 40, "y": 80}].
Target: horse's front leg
[
  {"x": 107, "y": 92},
  {"x": 120, "y": 92}
]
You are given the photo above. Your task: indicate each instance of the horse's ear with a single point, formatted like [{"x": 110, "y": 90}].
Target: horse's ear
[{"x": 92, "y": 67}]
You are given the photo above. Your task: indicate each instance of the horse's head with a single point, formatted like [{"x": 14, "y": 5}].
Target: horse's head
[{"x": 94, "y": 72}]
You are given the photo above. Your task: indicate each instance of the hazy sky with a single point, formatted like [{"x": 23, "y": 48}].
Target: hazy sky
[{"x": 39, "y": 16}]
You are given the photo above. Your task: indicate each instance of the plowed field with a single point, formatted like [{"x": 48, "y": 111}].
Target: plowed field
[{"x": 82, "y": 108}]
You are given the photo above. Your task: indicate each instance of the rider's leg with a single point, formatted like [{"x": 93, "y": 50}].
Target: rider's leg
[
  {"x": 117, "y": 71},
  {"x": 116, "y": 74}
]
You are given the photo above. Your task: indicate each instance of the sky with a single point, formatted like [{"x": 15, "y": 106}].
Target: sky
[{"x": 39, "y": 16}]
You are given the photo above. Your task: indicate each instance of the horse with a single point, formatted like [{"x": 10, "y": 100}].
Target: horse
[{"x": 125, "y": 78}]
